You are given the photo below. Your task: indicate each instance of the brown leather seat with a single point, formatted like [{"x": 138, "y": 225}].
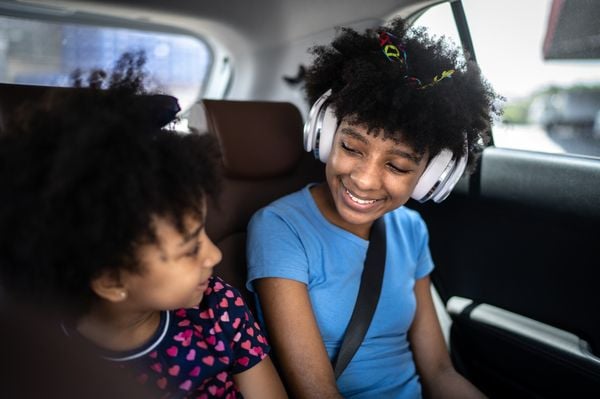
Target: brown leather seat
[{"x": 263, "y": 159}]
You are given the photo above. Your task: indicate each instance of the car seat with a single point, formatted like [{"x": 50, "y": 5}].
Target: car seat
[{"x": 263, "y": 159}]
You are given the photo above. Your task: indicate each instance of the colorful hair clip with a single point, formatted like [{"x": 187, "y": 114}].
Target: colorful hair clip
[
  {"x": 396, "y": 52},
  {"x": 412, "y": 81},
  {"x": 393, "y": 50},
  {"x": 438, "y": 78}
]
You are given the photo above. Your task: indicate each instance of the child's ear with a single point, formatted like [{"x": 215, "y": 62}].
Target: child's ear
[{"x": 108, "y": 286}]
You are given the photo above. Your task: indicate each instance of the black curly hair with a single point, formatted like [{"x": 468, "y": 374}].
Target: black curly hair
[
  {"x": 367, "y": 88},
  {"x": 82, "y": 175}
]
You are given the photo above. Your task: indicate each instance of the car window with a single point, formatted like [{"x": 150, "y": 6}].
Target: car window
[
  {"x": 540, "y": 55},
  {"x": 46, "y": 53}
]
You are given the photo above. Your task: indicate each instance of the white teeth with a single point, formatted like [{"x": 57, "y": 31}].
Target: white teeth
[{"x": 358, "y": 200}]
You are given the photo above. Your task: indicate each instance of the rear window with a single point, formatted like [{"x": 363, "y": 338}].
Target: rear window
[
  {"x": 46, "y": 53},
  {"x": 543, "y": 57}
]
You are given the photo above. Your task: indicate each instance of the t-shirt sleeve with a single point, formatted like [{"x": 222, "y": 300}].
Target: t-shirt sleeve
[
  {"x": 424, "y": 261},
  {"x": 274, "y": 249}
]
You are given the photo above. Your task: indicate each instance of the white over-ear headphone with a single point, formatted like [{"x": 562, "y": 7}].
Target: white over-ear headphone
[{"x": 437, "y": 181}]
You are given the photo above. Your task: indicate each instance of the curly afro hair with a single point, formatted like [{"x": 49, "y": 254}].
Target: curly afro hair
[
  {"x": 82, "y": 175},
  {"x": 367, "y": 88}
]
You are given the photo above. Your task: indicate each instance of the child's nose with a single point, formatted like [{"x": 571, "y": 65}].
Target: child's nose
[
  {"x": 214, "y": 255},
  {"x": 366, "y": 176}
]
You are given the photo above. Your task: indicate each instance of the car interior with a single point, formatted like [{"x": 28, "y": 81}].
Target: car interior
[
  {"x": 263, "y": 160},
  {"x": 516, "y": 267}
]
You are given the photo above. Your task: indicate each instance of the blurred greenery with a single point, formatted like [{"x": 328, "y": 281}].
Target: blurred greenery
[{"x": 516, "y": 111}]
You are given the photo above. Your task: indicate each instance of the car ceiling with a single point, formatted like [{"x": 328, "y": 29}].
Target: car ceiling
[{"x": 264, "y": 21}]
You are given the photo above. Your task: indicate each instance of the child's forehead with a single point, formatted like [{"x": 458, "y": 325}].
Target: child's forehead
[
  {"x": 188, "y": 224},
  {"x": 168, "y": 238}
]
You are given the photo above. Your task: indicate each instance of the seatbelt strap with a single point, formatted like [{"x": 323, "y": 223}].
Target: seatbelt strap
[{"x": 368, "y": 296}]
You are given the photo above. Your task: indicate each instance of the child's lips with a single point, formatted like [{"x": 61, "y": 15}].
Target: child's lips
[{"x": 357, "y": 201}]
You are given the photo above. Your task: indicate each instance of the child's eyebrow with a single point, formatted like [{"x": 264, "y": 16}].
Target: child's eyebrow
[
  {"x": 348, "y": 131},
  {"x": 190, "y": 236},
  {"x": 410, "y": 156}
]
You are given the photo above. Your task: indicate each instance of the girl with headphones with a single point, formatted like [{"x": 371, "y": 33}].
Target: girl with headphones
[{"x": 396, "y": 114}]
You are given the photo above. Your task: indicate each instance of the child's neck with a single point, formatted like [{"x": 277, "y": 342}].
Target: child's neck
[{"x": 118, "y": 330}]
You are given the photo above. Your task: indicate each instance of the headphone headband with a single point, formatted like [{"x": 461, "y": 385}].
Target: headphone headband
[{"x": 314, "y": 123}]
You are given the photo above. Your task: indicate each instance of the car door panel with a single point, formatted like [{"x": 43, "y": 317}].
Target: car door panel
[
  {"x": 519, "y": 249},
  {"x": 511, "y": 354}
]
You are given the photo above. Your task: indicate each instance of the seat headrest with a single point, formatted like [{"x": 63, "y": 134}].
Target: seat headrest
[{"x": 258, "y": 139}]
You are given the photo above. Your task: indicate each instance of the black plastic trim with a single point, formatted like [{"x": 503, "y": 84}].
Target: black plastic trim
[{"x": 557, "y": 182}]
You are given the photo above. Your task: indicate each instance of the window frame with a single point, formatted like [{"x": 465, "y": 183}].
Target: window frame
[{"x": 61, "y": 15}]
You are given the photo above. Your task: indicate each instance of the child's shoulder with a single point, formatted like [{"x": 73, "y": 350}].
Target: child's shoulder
[
  {"x": 293, "y": 208},
  {"x": 405, "y": 220},
  {"x": 221, "y": 303},
  {"x": 289, "y": 200},
  {"x": 218, "y": 290},
  {"x": 406, "y": 214}
]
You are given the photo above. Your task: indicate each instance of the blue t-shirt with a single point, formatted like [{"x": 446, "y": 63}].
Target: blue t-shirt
[{"x": 291, "y": 239}]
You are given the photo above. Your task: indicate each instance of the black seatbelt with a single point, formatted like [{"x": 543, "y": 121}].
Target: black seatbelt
[{"x": 368, "y": 296}]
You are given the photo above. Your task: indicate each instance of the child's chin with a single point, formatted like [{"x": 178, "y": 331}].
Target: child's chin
[
  {"x": 197, "y": 301},
  {"x": 192, "y": 303}
]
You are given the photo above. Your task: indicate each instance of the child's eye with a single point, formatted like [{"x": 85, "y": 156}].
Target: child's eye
[
  {"x": 397, "y": 170},
  {"x": 349, "y": 149},
  {"x": 194, "y": 251}
]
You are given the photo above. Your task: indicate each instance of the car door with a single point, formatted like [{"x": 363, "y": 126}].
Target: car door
[{"x": 515, "y": 245}]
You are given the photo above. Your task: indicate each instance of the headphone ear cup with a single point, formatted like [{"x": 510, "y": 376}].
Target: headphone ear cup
[
  {"x": 453, "y": 177},
  {"x": 431, "y": 178},
  {"x": 325, "y": 140},
  {"x": 441, "y": 175},
  {"x": 320, "y": 128}
]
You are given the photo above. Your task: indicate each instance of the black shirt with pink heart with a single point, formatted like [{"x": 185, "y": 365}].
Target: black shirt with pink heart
[{"x": 196, "y": 351}]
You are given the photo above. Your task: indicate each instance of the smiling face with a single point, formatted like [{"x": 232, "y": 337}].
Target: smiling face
[
  {"x": 175, "y": 269},
  {"x": 367, "y": 177}
]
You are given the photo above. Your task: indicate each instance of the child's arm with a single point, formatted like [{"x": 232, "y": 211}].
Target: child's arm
[
  {"x": 296, "y": 339},
  {"x": 260, "y": 382}
]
